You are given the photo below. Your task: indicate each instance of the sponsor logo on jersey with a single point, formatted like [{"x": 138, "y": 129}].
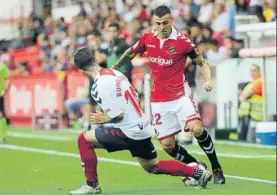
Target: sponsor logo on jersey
[
  {"x": 161, "y": 61},
  {"x": 151, "y": 45}
]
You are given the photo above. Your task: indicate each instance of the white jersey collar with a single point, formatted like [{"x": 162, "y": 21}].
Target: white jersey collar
[{"x": 173, "y": 35}]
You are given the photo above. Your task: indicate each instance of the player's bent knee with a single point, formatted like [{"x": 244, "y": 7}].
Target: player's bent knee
[
  {"x": 153, "y": 169},
  {"x": 168, "y": 144},
  {"x": 149, "y": 168},
  {"x": 82, "y": 139},
  {"x": 1, "y": 115},
  {"x": 198, "y": 131},
  {"x": 88, "y": 136},
  {"x": 196, "y": 127},
  {"x": 148, "y": 165}
]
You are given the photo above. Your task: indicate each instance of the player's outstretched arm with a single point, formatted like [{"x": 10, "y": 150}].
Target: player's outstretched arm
[
  {"x": 128, "y": 54},
  {"x": 102, "y": 118},
  {"x": 206, "y": 71}
]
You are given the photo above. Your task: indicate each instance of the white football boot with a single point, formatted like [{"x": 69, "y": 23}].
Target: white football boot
[
  {"x": 205, "y": 177},
  {"x": 86, "y": 189}
]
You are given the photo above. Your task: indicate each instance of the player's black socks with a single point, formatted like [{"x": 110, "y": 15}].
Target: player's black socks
[
  {"x": 206, "y": 143},
  {"x": 93, "y": 184},
  {"x": 181, "y": 154}
]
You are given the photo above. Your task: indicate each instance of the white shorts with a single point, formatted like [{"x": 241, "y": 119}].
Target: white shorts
[{"x": 169, "y": 118}]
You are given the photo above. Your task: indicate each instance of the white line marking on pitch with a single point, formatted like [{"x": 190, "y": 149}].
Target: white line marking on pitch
[
  {"x": 229, "y": 155},
  {"x": 217, "y": 142},
  {"x": 246, "y": 145},
  {"x": 70, "y": 138},
  {"x": 41, "y": 136},
  {"x": 57, "y": 153}
]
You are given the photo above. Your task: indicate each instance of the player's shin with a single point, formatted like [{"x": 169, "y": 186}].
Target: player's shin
[
  {"x": 181, "y": 154},
  {"x": 89, "y": 160},
  {"x": 206, "y": 143}
]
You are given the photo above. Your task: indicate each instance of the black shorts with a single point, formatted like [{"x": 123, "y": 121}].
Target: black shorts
[
  {"x": 113, "y": 139},
  {"x": 2, "y": 105}
]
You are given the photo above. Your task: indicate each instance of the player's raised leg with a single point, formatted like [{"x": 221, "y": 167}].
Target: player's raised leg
[{"x": 86, "y": 144}]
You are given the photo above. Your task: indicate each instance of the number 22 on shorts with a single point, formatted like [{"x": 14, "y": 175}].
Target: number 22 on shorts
[{"x": 156, "y": 119}]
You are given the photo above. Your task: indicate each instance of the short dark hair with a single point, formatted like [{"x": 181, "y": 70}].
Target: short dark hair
[
  {"x": 114, "y": 24},
  {"x": 188, "y": 30},
  {"x": 231, "y": 38},
  {"x": 84, "y": 58},
  {"x": 213, "y": 42},
  {"x": 161, "y": 11},
  {"x": 197, "y": 24}
]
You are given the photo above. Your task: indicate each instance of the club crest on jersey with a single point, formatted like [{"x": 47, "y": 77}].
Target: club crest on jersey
[{"x": 171, "y": 50}]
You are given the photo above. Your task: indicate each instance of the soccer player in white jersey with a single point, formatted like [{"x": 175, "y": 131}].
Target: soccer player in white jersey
[{"x": 131, "y": 131}]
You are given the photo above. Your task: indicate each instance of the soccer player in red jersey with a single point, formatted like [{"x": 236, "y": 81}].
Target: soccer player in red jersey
[{"x": 173, "y": 108}]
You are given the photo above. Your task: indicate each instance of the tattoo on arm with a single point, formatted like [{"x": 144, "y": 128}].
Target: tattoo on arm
[
  {"x": 200, "y": 61},
  {"x": 128, "y": 54},
  {"x": 205, "y": 67}
]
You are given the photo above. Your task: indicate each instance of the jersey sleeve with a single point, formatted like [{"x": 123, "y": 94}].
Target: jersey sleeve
[
  {"x": 107, "y": 99},
  {"x": 139, "y": 46},
  {"x": 190, "y": 48}
]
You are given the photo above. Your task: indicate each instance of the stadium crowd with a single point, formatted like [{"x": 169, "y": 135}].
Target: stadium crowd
[
  {"x": 210, "y": 24},
  {"x": 108, "y": 30}
]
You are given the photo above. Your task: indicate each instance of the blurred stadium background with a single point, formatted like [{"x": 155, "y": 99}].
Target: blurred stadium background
[{"x": 47, "y": 93}]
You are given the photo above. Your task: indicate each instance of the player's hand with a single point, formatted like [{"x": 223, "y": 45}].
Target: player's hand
[
  {"x": 208, "y": 85},
  {"x": 99, "y": 117}
]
